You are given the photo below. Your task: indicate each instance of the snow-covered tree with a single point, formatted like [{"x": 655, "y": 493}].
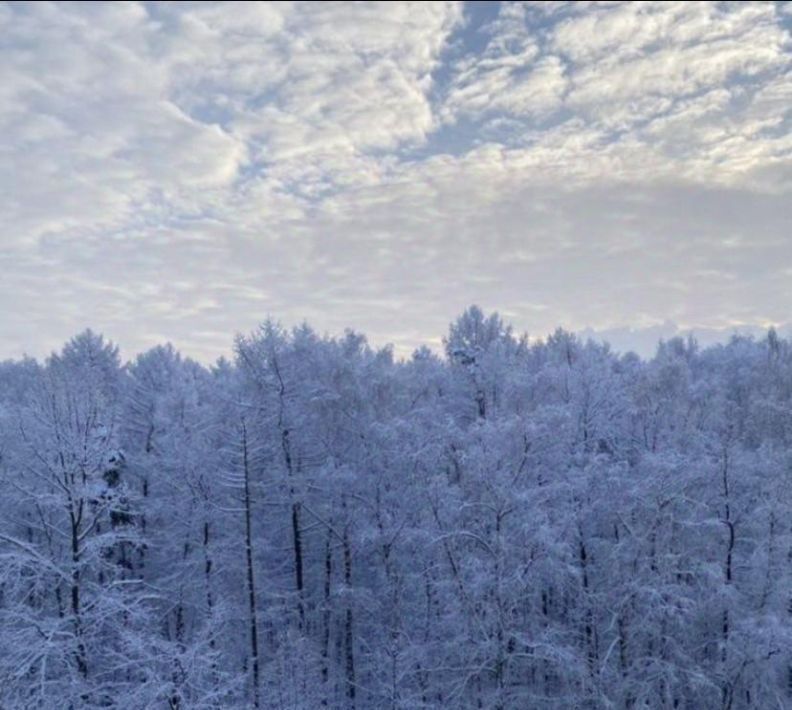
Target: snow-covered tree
[{"x": 508, "y": 524}]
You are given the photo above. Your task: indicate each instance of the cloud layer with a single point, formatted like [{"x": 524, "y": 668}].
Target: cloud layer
[{"x": 179, "y": 171}]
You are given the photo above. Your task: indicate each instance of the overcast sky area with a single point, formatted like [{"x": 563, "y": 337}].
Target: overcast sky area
[{"x": 178, "y": 172}]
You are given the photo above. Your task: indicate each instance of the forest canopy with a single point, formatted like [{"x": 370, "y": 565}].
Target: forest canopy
[{"x": 512, "y": 524}]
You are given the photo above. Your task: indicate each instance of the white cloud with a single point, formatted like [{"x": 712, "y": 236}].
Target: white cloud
[
  {"x": 182, "y": 170},
  {"x": 641, "y": 90}
]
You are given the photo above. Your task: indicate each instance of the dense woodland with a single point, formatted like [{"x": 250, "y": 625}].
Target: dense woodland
[{"x": 512, "y": 525}]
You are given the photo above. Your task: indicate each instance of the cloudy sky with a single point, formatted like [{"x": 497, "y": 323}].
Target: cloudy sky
[{"x": 181, "y": 171}]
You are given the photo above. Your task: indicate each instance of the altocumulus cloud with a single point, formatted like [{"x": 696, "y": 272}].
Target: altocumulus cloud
[{"x": 179, "y": 171}]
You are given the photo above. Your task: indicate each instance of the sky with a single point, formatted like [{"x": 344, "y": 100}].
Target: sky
[{"x": 182, "y": 171}]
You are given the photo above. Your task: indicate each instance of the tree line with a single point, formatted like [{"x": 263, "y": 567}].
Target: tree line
[{"x": 511, "y": 525}]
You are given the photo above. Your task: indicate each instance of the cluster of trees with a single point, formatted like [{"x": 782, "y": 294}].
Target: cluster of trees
[{"x": 514, "y": 525}]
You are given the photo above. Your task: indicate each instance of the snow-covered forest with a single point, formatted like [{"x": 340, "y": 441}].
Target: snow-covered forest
[{"x": 513, "y": 525}]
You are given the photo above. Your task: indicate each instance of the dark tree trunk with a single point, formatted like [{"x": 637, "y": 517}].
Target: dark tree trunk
[
  {"x": 80, "y": 655},
  {"x": 349, "y": 650},
  {"x": 251, "y": 587},
  {"x": 328, "y": 569}
]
